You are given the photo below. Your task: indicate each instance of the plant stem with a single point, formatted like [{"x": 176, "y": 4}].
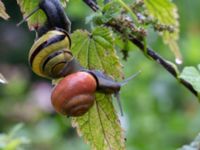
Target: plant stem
[
  {"x": 118, "y": 26},
  {"x": 92, "y": 4},
  {"x": 152, "y": 54}
]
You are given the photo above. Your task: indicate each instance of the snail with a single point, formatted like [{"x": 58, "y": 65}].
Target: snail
[
  {"x": 75, "y": 94},
  {"x": 50, "y": 57}
]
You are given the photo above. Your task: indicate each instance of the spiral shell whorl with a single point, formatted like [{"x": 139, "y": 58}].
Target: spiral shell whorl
[
  {"x": 75, "y": 94},
  {"x": 50, "y": 54}
]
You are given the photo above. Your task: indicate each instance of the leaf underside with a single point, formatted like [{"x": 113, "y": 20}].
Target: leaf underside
[
  {"x": 100, "y": 126},
  {"x": 3, "y": 13},
  {"x": 192, "y": 75},
  {"x": 165, "y": 12}
]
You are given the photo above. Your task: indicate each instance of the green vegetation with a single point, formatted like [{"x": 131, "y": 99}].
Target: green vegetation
[{"x": 159, "y": 113}]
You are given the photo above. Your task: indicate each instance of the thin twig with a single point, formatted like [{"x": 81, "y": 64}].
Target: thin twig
[
  {"x": 117, "y": 25},
  {"x": 92, "y": 4},
  {"x": 152, "y": 54}
]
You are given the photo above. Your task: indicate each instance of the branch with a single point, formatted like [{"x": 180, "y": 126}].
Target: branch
[
  {"x": 119, "y": 26},
  {"x": 91, "y": 4}
]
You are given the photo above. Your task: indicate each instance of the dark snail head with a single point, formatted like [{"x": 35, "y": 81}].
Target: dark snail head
[{"x": 107, "y": 85}]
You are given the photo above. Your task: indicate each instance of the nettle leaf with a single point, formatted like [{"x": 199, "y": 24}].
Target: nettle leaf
[
  {"x": 192, "y": 75},
  {"x": 95, "y": 51},
  {"x": 100, "y": 126},
  {"x": 3, "y": 13},
  {"x": 109, "y": 11},
  {"x": 2, "y": 79},
  {"x": 165, "y": 12},
  {"x": 100, "y": 2},
  {"x": 38, "y": 18}
]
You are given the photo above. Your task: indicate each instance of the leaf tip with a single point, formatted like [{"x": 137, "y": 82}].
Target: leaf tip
[{"x": 2, "y": 79}]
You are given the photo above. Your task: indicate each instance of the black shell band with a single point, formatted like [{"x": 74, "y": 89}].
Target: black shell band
[{"x": 50, "y": 41}]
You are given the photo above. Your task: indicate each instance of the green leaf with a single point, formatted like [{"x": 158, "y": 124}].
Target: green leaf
[
  {"x": 38, "y": 18},
  {"x": 100, "y": 126},
  {"x": 95, "y": 51},
  {"x": 100, "y": 2},
  {"x": 194, "y": 145},
  {"x": 2, "y": 79},
  {"x": 192, "y": 75},
  {"x": 3, "y": 13},
  {"x": 109, "y": 11},
  {"x": 13, "y": 141},
  {"x": 165, "y": 12},
  {"x": 15, "y": 129}
]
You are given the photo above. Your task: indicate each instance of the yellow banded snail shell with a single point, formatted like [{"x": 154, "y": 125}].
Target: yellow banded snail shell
[{"x": 50, "y": 54}]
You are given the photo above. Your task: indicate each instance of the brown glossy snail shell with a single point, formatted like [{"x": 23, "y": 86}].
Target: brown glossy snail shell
[{"x": 75, "y": 94}]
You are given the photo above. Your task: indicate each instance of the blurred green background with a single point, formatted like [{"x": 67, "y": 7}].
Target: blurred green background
[{"x": 159, "y": 112}]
